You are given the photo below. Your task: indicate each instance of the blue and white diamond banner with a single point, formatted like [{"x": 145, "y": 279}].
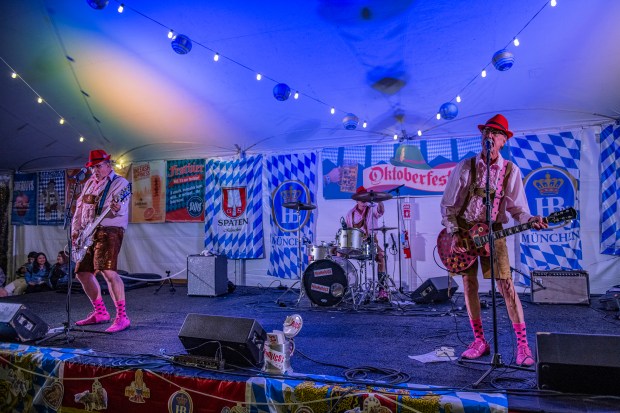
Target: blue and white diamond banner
[
  {"x": 292, "y": 179},
  {"x": 234, "y": 208},
  {"x": 550, "y": 166},
  {"x": 610, "y": 187}
]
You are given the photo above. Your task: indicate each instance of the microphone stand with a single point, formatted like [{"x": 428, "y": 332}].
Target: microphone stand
[
  {"x": 398, "y": 215},
  {"x": 66, "y": 326},
  {"x": 496, "y": 361}
]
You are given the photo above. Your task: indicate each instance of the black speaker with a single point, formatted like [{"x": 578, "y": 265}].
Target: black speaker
[
  {"x": 578, "y": 363},
  {"x": 19, "y": 323},
  {"x": 435, "y": 290},
  {"x": 239, "y": 341}
]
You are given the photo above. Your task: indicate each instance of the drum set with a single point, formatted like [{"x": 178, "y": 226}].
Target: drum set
[{"x": 331, "y": 276}]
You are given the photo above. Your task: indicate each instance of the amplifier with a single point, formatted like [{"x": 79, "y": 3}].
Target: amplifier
[
  {"x": 207, "y": 276},
  {"x": 560, "y": 287}
]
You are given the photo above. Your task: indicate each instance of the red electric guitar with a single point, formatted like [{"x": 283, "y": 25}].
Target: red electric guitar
[{"x": 476, "y": 240}]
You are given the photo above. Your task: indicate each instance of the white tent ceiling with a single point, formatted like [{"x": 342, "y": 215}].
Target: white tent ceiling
[{"x": 117, "y": 81}]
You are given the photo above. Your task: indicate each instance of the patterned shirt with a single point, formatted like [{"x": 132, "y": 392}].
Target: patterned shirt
[{"x": 86, "y": 206}]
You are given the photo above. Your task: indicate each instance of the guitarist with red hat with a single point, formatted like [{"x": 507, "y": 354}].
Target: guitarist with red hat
[{"x": 463, "y": 206}]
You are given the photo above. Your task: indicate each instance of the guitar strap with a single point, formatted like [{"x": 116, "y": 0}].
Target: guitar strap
[{"x": 103, "y": 196}]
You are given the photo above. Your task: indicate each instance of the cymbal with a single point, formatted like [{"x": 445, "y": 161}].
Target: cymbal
[
  {"x": 384, "y": 229},
  {"x": 300, "y": 206},
  {"x": 372, "y": 196}
]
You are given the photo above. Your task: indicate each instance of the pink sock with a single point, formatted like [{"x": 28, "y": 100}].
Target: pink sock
[
  {"x": 520, "y": 333},
  {"x": 120, "y": 309},
  {"x": 99, "y": 306},
  {"x": 476, "y": 326}
]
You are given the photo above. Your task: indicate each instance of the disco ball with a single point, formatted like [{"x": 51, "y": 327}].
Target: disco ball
[
  {"x": 448, "y": 111},
  {"x": 181, "y": 44},
  {"x": 503, "y": 60},
  {"x": 97, "y": 4},
  {"x": 281, "y": 91},
  {"x": 350, "y": 121}
]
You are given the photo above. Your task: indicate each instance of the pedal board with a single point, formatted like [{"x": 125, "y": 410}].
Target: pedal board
[{"x": 202, "y": 362}]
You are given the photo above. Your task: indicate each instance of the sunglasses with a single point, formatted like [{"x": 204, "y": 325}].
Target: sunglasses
[{"x": 491, "y": 131}]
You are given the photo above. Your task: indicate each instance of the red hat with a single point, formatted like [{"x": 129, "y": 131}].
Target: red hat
[
  {"x": 97, "y": 156},
  {"x": 360, "y": 189},
  {"x": 498, "y": 122}
]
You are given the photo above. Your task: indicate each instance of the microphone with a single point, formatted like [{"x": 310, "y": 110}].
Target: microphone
[
  {"x": 396, "y": 189},
  {"x": 80, "y": 176},
  {"x": 393, "y": 242},
  {"x": 488, "y": 143},
  {"x": 343, "y": 223}
]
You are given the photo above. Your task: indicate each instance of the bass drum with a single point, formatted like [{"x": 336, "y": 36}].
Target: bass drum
[{"x": 326, "y": 281}]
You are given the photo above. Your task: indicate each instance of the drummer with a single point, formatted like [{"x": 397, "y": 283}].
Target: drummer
[{"x": 364, "y": 216}]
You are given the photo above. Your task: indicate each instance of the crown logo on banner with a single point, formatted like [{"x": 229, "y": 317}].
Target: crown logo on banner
[
  {"x": 549, "y": 185},
  {"x": 290, "y": 194}
]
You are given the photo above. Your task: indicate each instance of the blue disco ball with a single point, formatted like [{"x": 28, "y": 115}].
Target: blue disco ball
[
  {"x": 281, "y": 91},
  {"x": 448, "y": 111},
  {"x": 350, "y": 121},
  {"x": 182, "y": 44},
  {"x": 97, "y": 4},
  {"x": 503, "y": 60}
]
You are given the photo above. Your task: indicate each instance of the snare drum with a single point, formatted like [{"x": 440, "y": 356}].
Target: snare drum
[
  {"x": 321, "y": 252},
  {"x": 350, "y": 241}
]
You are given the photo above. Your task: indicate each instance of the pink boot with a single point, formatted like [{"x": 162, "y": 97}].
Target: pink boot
[
  {"x": 477, "y": 349},
  {"x": 524, "y": 356},
  {"x": 100, "y": 315},
  {"x": 121, "y": 322}
]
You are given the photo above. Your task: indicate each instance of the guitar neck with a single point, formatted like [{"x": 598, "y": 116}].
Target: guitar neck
[{"x": 503, "y": 233}]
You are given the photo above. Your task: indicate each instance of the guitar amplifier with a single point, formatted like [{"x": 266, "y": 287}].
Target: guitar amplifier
[{"x": 560, "y": 287}]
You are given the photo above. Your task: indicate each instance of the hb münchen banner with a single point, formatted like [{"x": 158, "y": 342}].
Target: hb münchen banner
[
  {"x": 610, "y": 188},
  {"x": 292, "y": 178},
  {"x": 233, "y": 213},
  {"x": 550, "y": 166}
]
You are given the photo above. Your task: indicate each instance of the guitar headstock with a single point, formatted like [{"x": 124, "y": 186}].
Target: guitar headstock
[{"x": 567, "y": 214}]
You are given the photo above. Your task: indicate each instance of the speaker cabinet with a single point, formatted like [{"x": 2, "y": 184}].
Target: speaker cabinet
[
  {"x": 578, "y": 363},
  {"x": 19, "y": 323},
  {"x": 435, "y": 290},
  {"x": 207, "y": 275},
  {"x": 241, "y": 340},
  {"x": 560, "y": 287}
]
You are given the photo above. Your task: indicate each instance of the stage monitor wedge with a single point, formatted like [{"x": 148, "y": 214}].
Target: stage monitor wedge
[
  {"x": 239, "y": 341},
  {"x": 436, "y": 289},
  {"x": 17, "y": 323}
]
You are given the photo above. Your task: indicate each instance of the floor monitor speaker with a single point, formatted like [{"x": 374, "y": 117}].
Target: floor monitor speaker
[
  {"x": 578, "y": 363},
  {"x": 239, "y": 341},
  {"x": 20, "y": 324},
  {"x": 435, "y": 290}
]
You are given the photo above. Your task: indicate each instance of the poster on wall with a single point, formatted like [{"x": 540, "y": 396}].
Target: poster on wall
[
  {"x": 148, "y": 192},
  {"x": 185, "y": 190},
  {"x": 234, "y": 216},
  {"x": 415, "y": 168},
  {"x": 50, "y": 209},
  {"x": 610, "y": 188},
  {"x": 24, "y": 211},
  {"x": 550, "y": 167},
  {"x": 292, "y": 179}
]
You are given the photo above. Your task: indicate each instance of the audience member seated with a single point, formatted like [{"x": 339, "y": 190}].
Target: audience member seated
[
  {"x": 18, "y": 285},
  {"x": 38, "y": 275},
  {"x": 59, "y": 274}
]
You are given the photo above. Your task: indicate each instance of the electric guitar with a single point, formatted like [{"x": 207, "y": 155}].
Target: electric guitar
[
  {"x": 85, "y": 239},
  {"x": 476, "y": 240}
]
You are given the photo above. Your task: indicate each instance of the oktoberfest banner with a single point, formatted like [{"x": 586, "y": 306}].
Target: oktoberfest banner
[
  {"x": 550, "y": 167},
  {"x": 417, "y": 168},
  {"x": 234, "y": 212},
  {"x": 148, "y": 192},
  {"x": 50, "y": 210},
  {"x": 610, "y": 188},
  {"x": 185, "y": 190},
  {"x": 292, "y": 179},
  {"x": 24, "y": 210}
]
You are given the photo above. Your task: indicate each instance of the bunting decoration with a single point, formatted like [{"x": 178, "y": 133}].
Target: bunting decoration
[
  {"x": 292, "y": 178},
  {"x": 610, "y": 187},
  {"x": 233, "y": 213}
]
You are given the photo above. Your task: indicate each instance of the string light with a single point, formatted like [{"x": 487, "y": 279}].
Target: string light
[
  {"x": 484, "y": 73},
  {"x": 14, "y": 75},
  {"x": 61, "y": 121},
  {"x": 364, "y": 124},
  {"x": 121, "y": 8},
  {"x": 333, "y": 111},
  {"x": 259, "y": 76},
  {"x": 40, "y": 99},
  {"x": 216, "y": 57},
  {"x": 438, "y": 116},
  {"x": 296, "y": 95},
  {"x": 170, "y": 34},
  {"x": 458, "y": 99},
  {"x": 419, "y": 132},
  {"x": 553, "y": 3},
  {"x": 516, "y": 42},
  {"x": 395, "y": 136},
  {"x": 81, "y": 139}
]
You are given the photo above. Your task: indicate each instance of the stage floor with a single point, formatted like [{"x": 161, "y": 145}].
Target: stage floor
[{"x": 373, "y": 343}]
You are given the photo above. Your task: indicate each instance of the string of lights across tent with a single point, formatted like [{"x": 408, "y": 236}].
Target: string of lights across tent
[{"x": 502, "y": 60}]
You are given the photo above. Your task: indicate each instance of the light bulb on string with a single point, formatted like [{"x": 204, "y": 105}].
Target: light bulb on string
[
  {"x": 170, "y": 34},
  {"x": 61, "y": 121},
  {"x": 516, "y": 42},
  {"x": 81, "y": 139},
  {"x": 259, "y": 76},
  {"x": 419, "y": 132},
  {"x": 364, "y": 124},
  {"x": 332, "y": 111},
  {"x": 553, "y": 3},
  {"x": 484, "y": 73},
  {"x": 438, "y": 116},
  {"x": 296, "y": 95},
  {"x": 458, "y": 99},
  {"x": 39, "y": 99},
  {"x": 121, "y": 8},
  {"x": 216, "y": 57},
  {"x": 395, "y": 137},
  {"x": 14, "y": 75}
]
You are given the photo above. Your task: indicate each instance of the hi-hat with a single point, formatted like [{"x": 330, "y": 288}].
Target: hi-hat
[
  {"x": 384, "y": 229},
  {"x": 300, "y": 206},
  {"x": 371, "y": 196}
]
